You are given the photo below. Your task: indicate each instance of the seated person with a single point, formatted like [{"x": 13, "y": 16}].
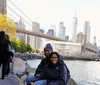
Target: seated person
[
  {"x": 55, "y": 72},
  {"x": 47, "y": 50}
]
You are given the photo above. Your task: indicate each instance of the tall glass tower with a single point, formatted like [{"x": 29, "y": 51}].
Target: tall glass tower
[
  {"x": 61, "y": 30},
  {"x": 75, "y": 22},
  {"x": 87, "y": 31}
]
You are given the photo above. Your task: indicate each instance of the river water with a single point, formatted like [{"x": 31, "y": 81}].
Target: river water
[{"x": 83, "y": 72}]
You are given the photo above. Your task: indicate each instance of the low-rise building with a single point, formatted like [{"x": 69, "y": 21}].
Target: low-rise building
[{"x": 65, "y": 47}]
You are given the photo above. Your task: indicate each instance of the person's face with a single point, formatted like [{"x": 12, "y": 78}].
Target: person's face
[
  {"x": 54, "y": 59},
  {"x": 47, "y": 52}
]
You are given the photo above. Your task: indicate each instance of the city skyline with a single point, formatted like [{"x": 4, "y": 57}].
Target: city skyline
[
  {"x": 48, "y": 12},
  {"x": 61, "y": 33}
]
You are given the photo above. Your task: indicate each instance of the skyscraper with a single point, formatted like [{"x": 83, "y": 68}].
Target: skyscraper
[
  {"x": 61, "y": 33},
  {"x": 67, "y": 38},
  {"x": 36, "y": 26},
  {"x": 36, "y": 40},
  {"x": 80, "y": 38},
  {"x": 54, "y": 28},
  {"x": 21, "y": 24},
  {"x": 75, "y": 21},
  {"x": 3, "y": 5},
  {"x": 50, "y": 32},
  {"x": 87, "y": 31},
  {"x": 94, "y": 41},
  {"x": 16, "y": 24},
  {"x": 41, "y": 30}
]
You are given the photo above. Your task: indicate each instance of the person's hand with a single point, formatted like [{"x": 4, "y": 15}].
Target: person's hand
[
  {"x": 32, "y": 83},
  {"x": 38, "y": 75}
]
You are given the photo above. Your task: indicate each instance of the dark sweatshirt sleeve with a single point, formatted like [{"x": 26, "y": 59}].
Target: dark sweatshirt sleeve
[
  {"x": 40, "y": 67},
  {"x": 62, "y": 77},
  {"x": 43, "y": 73}
]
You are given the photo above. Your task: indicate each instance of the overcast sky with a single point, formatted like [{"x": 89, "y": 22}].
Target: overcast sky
[{"x": 48, "y": 12}]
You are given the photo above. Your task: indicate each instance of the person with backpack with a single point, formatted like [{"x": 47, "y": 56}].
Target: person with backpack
[
  {"x": 55, "y": 72},
  {"x": 10, "y": 57},
  {"x": 4, "y": 53}
]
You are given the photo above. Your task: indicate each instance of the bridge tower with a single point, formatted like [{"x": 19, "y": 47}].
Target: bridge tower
[{"x": 3, "y": 6}]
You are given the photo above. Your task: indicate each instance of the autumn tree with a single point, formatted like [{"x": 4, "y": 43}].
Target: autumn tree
[{"x": 7, "y": 25}]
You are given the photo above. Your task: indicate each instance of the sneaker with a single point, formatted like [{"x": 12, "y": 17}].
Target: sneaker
[{"x": 32, "y": 83}]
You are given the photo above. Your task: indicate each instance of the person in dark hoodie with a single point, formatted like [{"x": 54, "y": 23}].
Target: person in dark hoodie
[
  {"x": 55, "y": 72},
  {"x": 47, "y": 50},
  {"x": 4, "y": 53}
]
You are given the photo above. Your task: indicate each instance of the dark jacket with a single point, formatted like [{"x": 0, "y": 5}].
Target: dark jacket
[
  {"x": 56, "y": 74},
  {"x": 41, "y": 66},
  {"x": 3, "y": 52}
]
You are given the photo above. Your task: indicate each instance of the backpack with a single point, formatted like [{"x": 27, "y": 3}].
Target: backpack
[{"x": 68, "y": 73}]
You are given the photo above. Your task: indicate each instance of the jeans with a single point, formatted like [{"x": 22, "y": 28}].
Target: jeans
[{"x": 36, "y": 81}]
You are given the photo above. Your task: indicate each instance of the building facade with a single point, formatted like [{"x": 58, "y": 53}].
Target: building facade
[
  {"x": 61, "y": 33},
  {"x": 54, "y": 28},
  {"x": 80, "y": 38},
  {"x": 87, "y": 31},
  {"x": 50, "y": 32},
  {"x": 36, "y": 26},
  {"x": 41, "y": 30},
  {"x": 21, "y": 25},
  {"x": 94, "y": 41},
  {"x": 65, "y": 48},
  {"x": 35, "y": 41},
  {"x": 28, "y": 39},
  {"x": 67, "y": 38},
  {"x": 16, "y": 24},
  {"x": 75, "y": 22}
]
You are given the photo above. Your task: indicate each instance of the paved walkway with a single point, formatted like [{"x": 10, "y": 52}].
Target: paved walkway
[
  {"x": 10, "y": 80},
  {"x": 19, "y": 66}
]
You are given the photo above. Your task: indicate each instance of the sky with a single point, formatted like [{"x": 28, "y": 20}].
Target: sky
[{"x": 51, "y": 12}]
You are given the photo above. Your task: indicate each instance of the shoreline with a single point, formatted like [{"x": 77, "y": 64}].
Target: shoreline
[{"x": 32, "y": 56}]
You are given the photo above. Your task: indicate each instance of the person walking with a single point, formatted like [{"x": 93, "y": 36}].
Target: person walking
[
  {"x": 3, "y": 53},
  {"x": 10, "y": 57}
]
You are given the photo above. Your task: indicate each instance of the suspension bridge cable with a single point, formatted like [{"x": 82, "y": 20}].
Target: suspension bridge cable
[
  {"x": 19, "y": 15},
  {"x": 17, "y": 20},
  {"x": 20, "y": 10}
]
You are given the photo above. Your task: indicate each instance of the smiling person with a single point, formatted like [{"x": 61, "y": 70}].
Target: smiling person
[
  {"x": 55, "y": 72},
  {"x": 47, "y": 50}
]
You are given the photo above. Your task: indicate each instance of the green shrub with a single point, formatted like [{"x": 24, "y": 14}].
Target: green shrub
[
  {"x": 29, "y": 49},
  {"x": 20, "y": 46}
]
